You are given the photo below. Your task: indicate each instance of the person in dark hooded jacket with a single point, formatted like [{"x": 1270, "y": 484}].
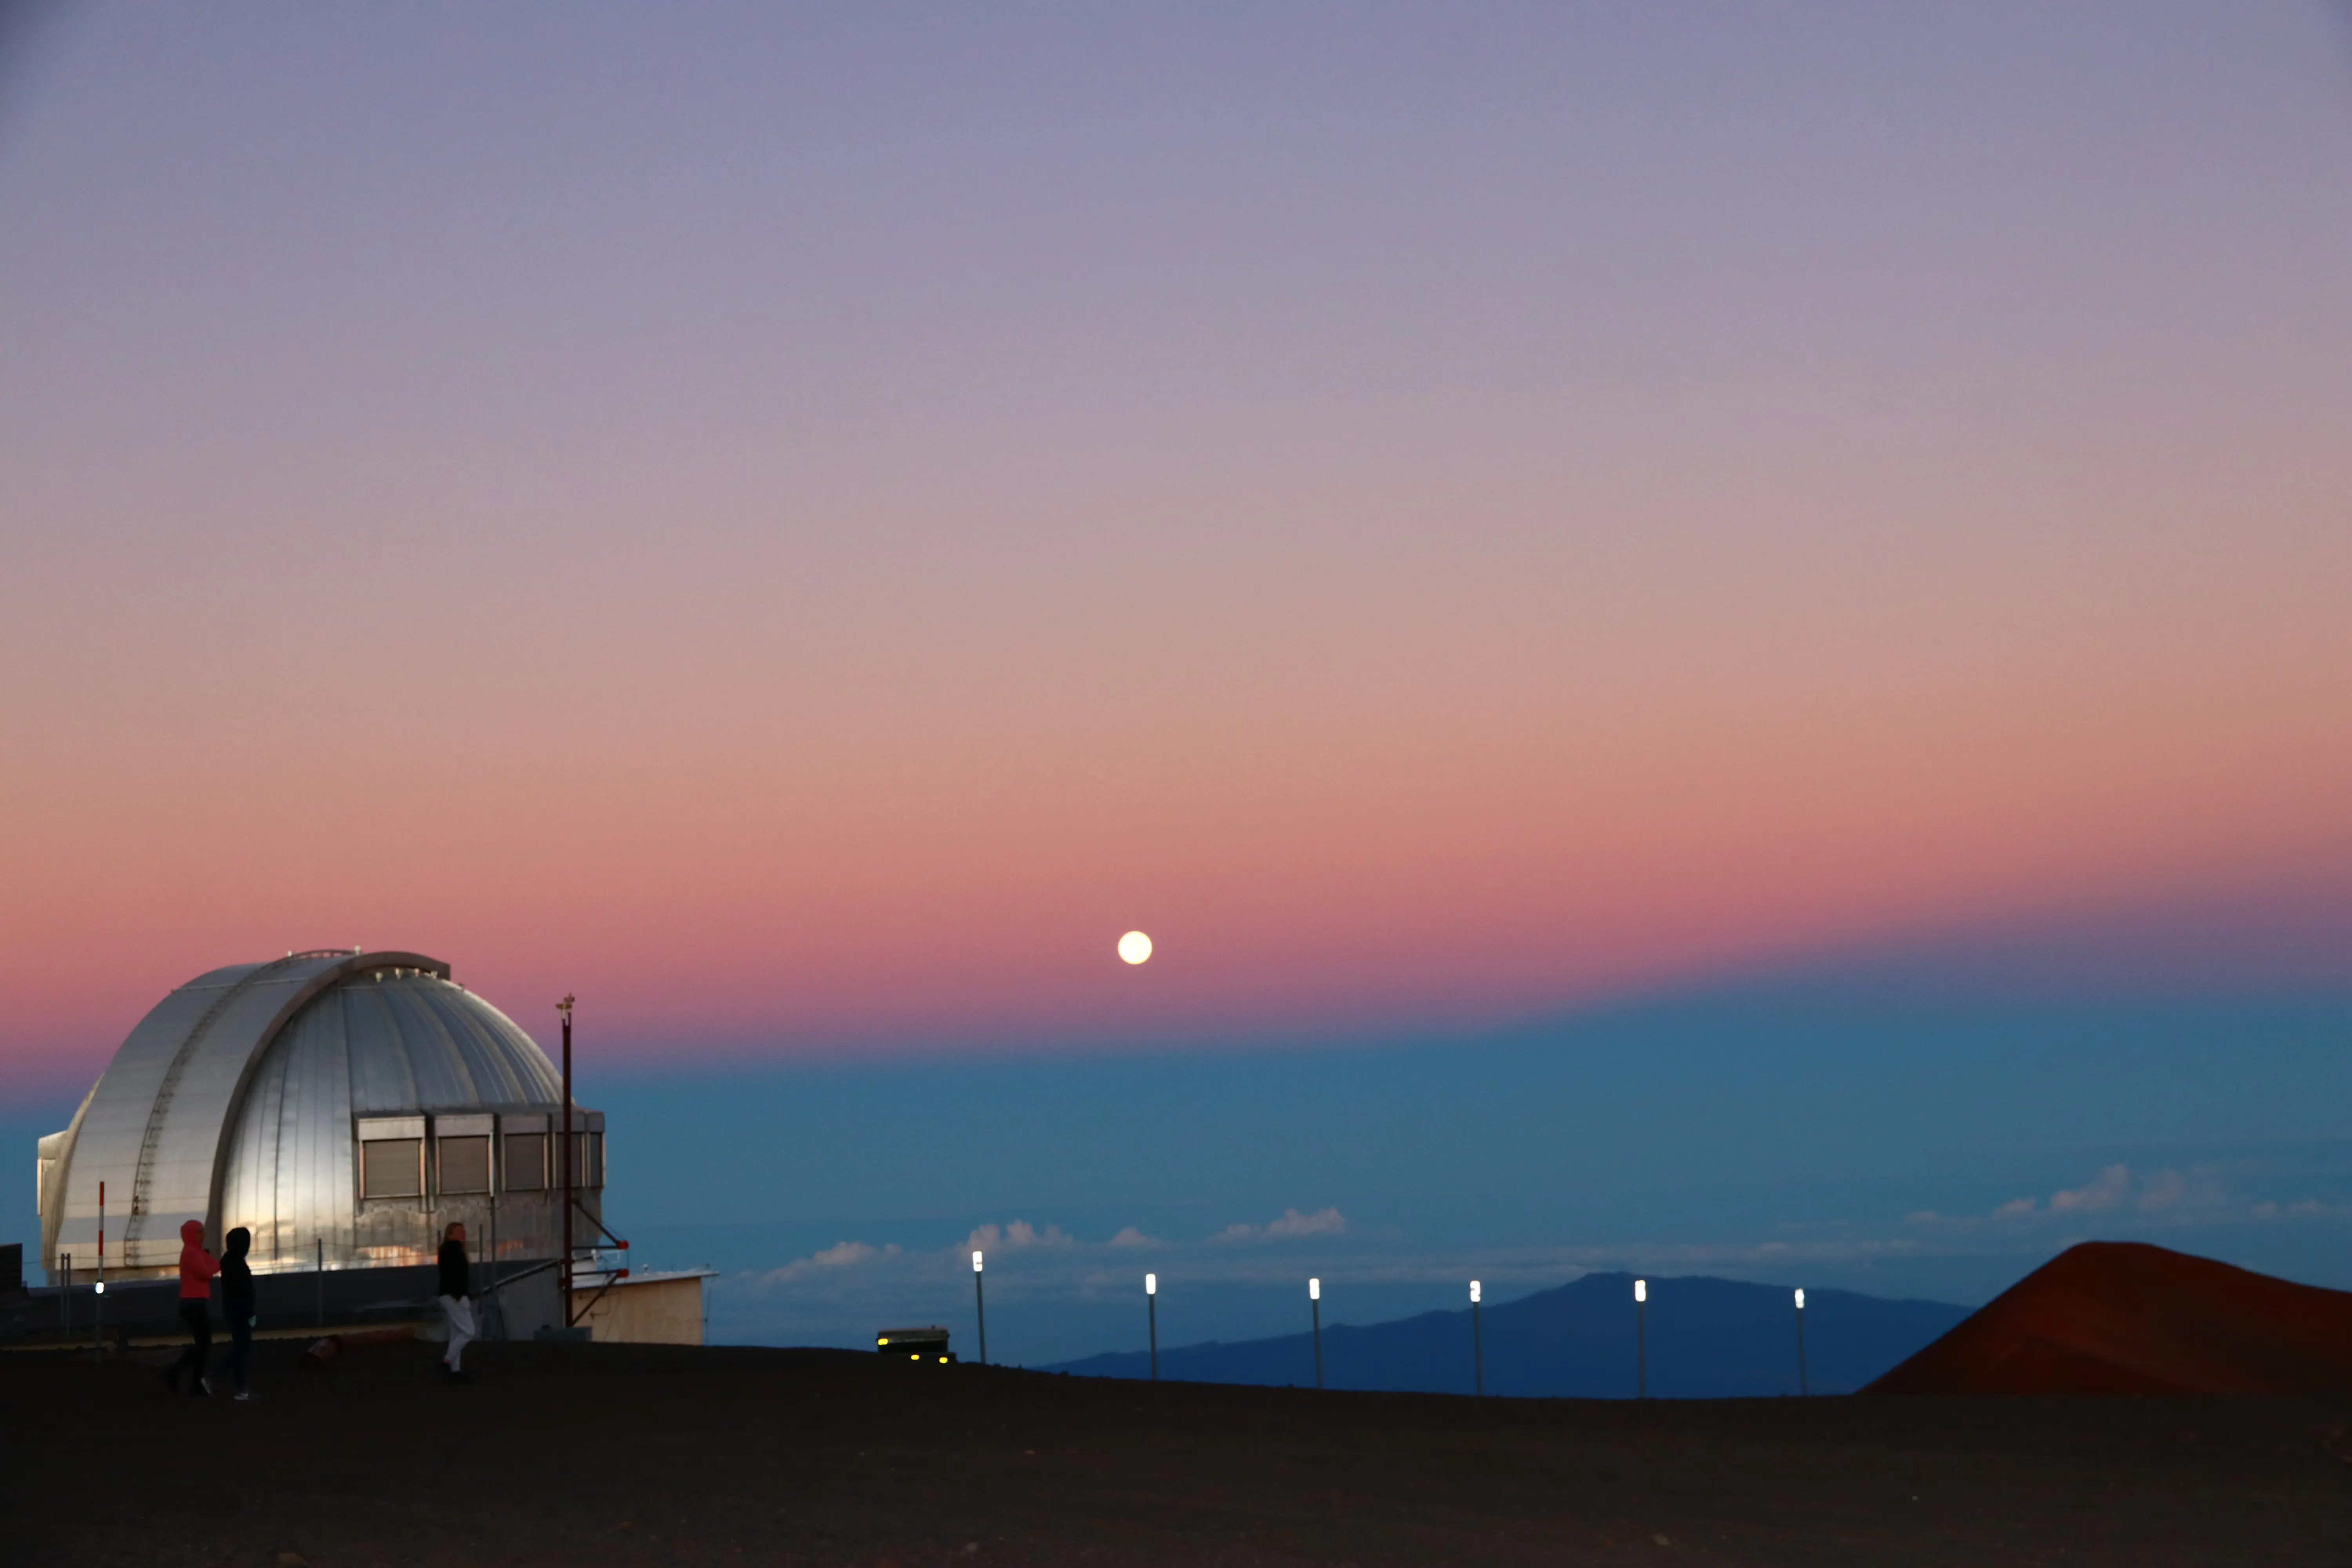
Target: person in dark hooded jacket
[
  {"x": 236, "y": 1306},
  {"x": 196, "y": 1271}
]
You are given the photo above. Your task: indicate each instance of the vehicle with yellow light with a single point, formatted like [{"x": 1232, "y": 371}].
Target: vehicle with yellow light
[{"x": 925, "y": 1347}]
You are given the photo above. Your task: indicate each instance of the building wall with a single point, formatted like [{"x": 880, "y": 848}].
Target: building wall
[{"x": 648, "y": 1312}]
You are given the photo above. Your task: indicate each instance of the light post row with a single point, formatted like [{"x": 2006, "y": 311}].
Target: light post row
[
  {"x": 1477, "y": 1333},
  {"x": 1315, "y": 1311}
]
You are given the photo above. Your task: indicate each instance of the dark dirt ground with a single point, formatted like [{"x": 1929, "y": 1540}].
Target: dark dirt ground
[{"x": 614, "y": 1453}]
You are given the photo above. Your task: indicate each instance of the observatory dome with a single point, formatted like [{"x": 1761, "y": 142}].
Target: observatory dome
[{"x": 341, "y": 1106}]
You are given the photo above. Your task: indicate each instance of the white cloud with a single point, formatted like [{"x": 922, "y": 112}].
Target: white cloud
[
  {"x": 833, "y": 1260},
  {"x": 1291, "y": 1226},
  {"x": 2101, "y": 1194},
  {"x": 842, "y": 1253},
  {"x": 2194, "y": 1195},
  {"x": 1132, "y": 1237}
]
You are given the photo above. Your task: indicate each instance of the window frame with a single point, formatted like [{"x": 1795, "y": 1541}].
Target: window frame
[
  {"x": 526, "y": 1125},
  {"x": 367, "y": 1163},
  {"x": 441, "y": 1184}
]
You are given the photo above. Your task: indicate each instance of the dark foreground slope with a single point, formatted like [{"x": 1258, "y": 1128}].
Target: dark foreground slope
[
  {"x": 1708, "y": 1339},
  {"x": 2118, "y": 1317},
  {"x": 622, "y": 1455}
]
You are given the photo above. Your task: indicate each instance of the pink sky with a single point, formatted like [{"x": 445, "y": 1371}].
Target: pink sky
[{"x": 805, "y": 579}]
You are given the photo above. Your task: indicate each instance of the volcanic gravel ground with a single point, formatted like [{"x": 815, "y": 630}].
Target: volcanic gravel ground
[{"x": 618, "y": 1454}]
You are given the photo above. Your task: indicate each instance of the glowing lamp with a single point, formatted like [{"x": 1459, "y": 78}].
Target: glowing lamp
[
  {"x": 101, "y": 1287},
  {"x": 975, "y": 1263},
  {"x": 1474, "y": 1290},
  {"x": 1315, "y": 1289},
  {"x": 1151, "y": 1284},
  {"x": 1800, "y": 1298},
  {"x": 1641, "y": 1289}
]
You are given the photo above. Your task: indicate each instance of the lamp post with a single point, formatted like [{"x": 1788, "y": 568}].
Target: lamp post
[
  {"x": 1641, "y": 1340},
  {"x": 1801, "y": 1389},
  {"x": 563, "y": 1280},
  {"x": 1477, "y": 1345},
  {"x": 98, "y": 1303},
  {"x": 979, "y": 1305},
  {"x": 1152, "y": 1311},
  {"x": 1314, "y": 1306}
]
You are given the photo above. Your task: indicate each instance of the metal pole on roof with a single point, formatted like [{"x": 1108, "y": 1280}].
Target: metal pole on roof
[
  {"x": 320, "y": 1243},
  {"x": 98, "y": 1303},
  {"x": 563, "y": 1282},
  {"x": 491, "y": 1255},
  {"x": 1151, "y": 1308}
]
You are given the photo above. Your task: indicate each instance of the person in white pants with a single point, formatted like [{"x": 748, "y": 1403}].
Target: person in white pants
[{"x": 456, "y": 1301}]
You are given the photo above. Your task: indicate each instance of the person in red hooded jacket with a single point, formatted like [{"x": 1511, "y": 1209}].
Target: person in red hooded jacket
[{"x": 196, "y": 1271}]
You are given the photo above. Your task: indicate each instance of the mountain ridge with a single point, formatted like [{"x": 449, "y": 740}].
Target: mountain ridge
[{"x": 2127, "y": 1317}]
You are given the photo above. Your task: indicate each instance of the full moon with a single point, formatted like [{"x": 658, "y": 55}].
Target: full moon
[{"x": 1135, "y": 947}]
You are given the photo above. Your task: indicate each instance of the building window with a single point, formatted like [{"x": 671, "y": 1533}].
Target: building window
[
  {"x": 391, "y": 1168},
  {"x": 466, "y": 1164},
  {"x": 525, "y": 1162},
  {"x": 587, "y": 1159}
]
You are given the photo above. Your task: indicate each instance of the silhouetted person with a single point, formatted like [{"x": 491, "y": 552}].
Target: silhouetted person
[
  {"x": 236, "y": 1306},
  {"x": 196, "y": 1271},
  {"x": 457, "y": 1301}
]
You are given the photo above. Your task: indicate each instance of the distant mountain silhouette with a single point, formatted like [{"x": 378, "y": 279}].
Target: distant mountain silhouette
[
  {"x": 1708, "y": 1339},
  {"x": 2123, "y": 1317}
]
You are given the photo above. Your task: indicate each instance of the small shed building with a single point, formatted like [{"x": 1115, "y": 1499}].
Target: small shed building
[{"x": 658, "y": 1308}]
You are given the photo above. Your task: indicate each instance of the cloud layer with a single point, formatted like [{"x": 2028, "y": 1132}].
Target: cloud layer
[{"x": 2116, "y": 1195}]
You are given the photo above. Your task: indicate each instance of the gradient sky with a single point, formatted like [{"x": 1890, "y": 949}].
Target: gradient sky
[{"x": 801, "y": 524}]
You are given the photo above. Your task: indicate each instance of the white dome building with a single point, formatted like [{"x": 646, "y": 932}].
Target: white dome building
[{"x": 343, "y": 1106}]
